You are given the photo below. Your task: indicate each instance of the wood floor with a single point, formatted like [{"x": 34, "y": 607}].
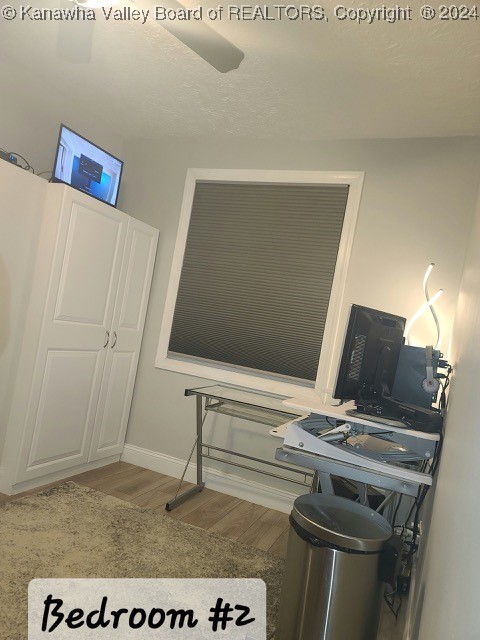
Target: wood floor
[{"x": 230, "y": 517}]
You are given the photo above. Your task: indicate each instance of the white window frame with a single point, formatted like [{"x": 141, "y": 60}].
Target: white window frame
[{"x": 235, "y": 376}]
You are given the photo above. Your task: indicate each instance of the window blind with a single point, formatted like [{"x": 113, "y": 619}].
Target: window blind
[{"x": 257, "y": 275}]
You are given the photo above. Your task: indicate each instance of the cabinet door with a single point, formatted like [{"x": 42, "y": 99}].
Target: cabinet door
[
  {"x": 126, "y": 337},
  {"x": 74, "y": 340}
]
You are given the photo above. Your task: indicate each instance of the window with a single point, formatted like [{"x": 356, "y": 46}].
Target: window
[{"x": 260, "y": 259}]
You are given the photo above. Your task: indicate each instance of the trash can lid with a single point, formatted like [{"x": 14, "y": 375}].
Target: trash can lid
[{"x": 341, "y": 522}]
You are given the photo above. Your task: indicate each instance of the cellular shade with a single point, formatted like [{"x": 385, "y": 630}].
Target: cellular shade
[{"x": 257, "y": 275}]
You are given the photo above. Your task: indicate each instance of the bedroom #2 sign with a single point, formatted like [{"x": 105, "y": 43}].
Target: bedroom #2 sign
[{"x": 121, "y": 609}]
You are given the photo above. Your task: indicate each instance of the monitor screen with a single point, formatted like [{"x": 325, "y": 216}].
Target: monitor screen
[
  {"x": 86, "y": 167},
  {"x": 370, "y": 354}
]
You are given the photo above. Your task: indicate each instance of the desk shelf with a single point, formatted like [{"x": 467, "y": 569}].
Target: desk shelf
[
  {"x": 270, "y": 417},
  {"x": 254, "y": 407}
]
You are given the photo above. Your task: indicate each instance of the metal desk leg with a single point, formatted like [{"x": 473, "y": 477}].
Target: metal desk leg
[
  {"x": 180, "y": 499},
  {"x": 322, "y": 483},
  {"x": 315, "y": 486},
  {"x": 362, "y": 493},
  {"x": 200, "y": 419}
]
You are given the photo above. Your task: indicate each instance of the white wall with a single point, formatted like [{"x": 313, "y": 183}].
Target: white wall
[
  {"x": 32, "y": 110},
  {"x": 21, "y": 199},
  {"x": 417, "y": 204},
  {"x": 448, "y": 602}
]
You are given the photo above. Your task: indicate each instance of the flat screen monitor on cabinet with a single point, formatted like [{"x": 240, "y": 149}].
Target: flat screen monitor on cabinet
[{"x": 86, "y": 167}]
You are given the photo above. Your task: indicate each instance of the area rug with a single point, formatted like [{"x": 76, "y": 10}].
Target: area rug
[{"x": 73, "y": 531}]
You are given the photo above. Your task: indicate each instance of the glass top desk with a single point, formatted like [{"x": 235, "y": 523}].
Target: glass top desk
[{"x": 248, "y": 405}]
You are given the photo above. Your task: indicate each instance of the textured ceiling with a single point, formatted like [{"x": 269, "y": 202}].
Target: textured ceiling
[{"x": 299, "y": 79}]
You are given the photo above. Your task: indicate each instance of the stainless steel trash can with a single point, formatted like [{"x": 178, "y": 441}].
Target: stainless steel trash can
[{"x": 331, "y": 587}]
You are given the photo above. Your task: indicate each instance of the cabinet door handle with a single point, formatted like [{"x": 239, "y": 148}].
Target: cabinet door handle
[
  {"x": 114, "y": 339},
  {"x": 107, "y": 339}
]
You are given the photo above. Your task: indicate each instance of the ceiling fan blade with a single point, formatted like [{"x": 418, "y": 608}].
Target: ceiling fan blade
[
  {"x": 201, "y": 38},
  {"x": 75, "y": 38}
]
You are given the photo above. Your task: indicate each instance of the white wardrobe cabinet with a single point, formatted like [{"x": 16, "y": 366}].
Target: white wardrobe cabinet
[
  {"x": 79, "y": 350},
  {"x": 124, "y": 341}
]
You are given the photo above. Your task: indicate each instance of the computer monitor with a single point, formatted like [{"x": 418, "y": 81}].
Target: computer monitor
[
  {"x": 368, "y": 366},
  {"x": 370, "y": 355},
  {"x": 86, "y": 167}
]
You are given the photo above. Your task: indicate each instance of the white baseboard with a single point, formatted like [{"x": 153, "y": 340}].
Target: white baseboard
[{"x": 225, "y": 483}]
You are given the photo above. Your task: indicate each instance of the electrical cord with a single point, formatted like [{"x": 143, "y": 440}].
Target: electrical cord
[
  {"x": 443, "y": 396},
  {"x": 390, "y": 601},
  {"x": 28, "y": 166},
  {"x": 417, "y": 505}
]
